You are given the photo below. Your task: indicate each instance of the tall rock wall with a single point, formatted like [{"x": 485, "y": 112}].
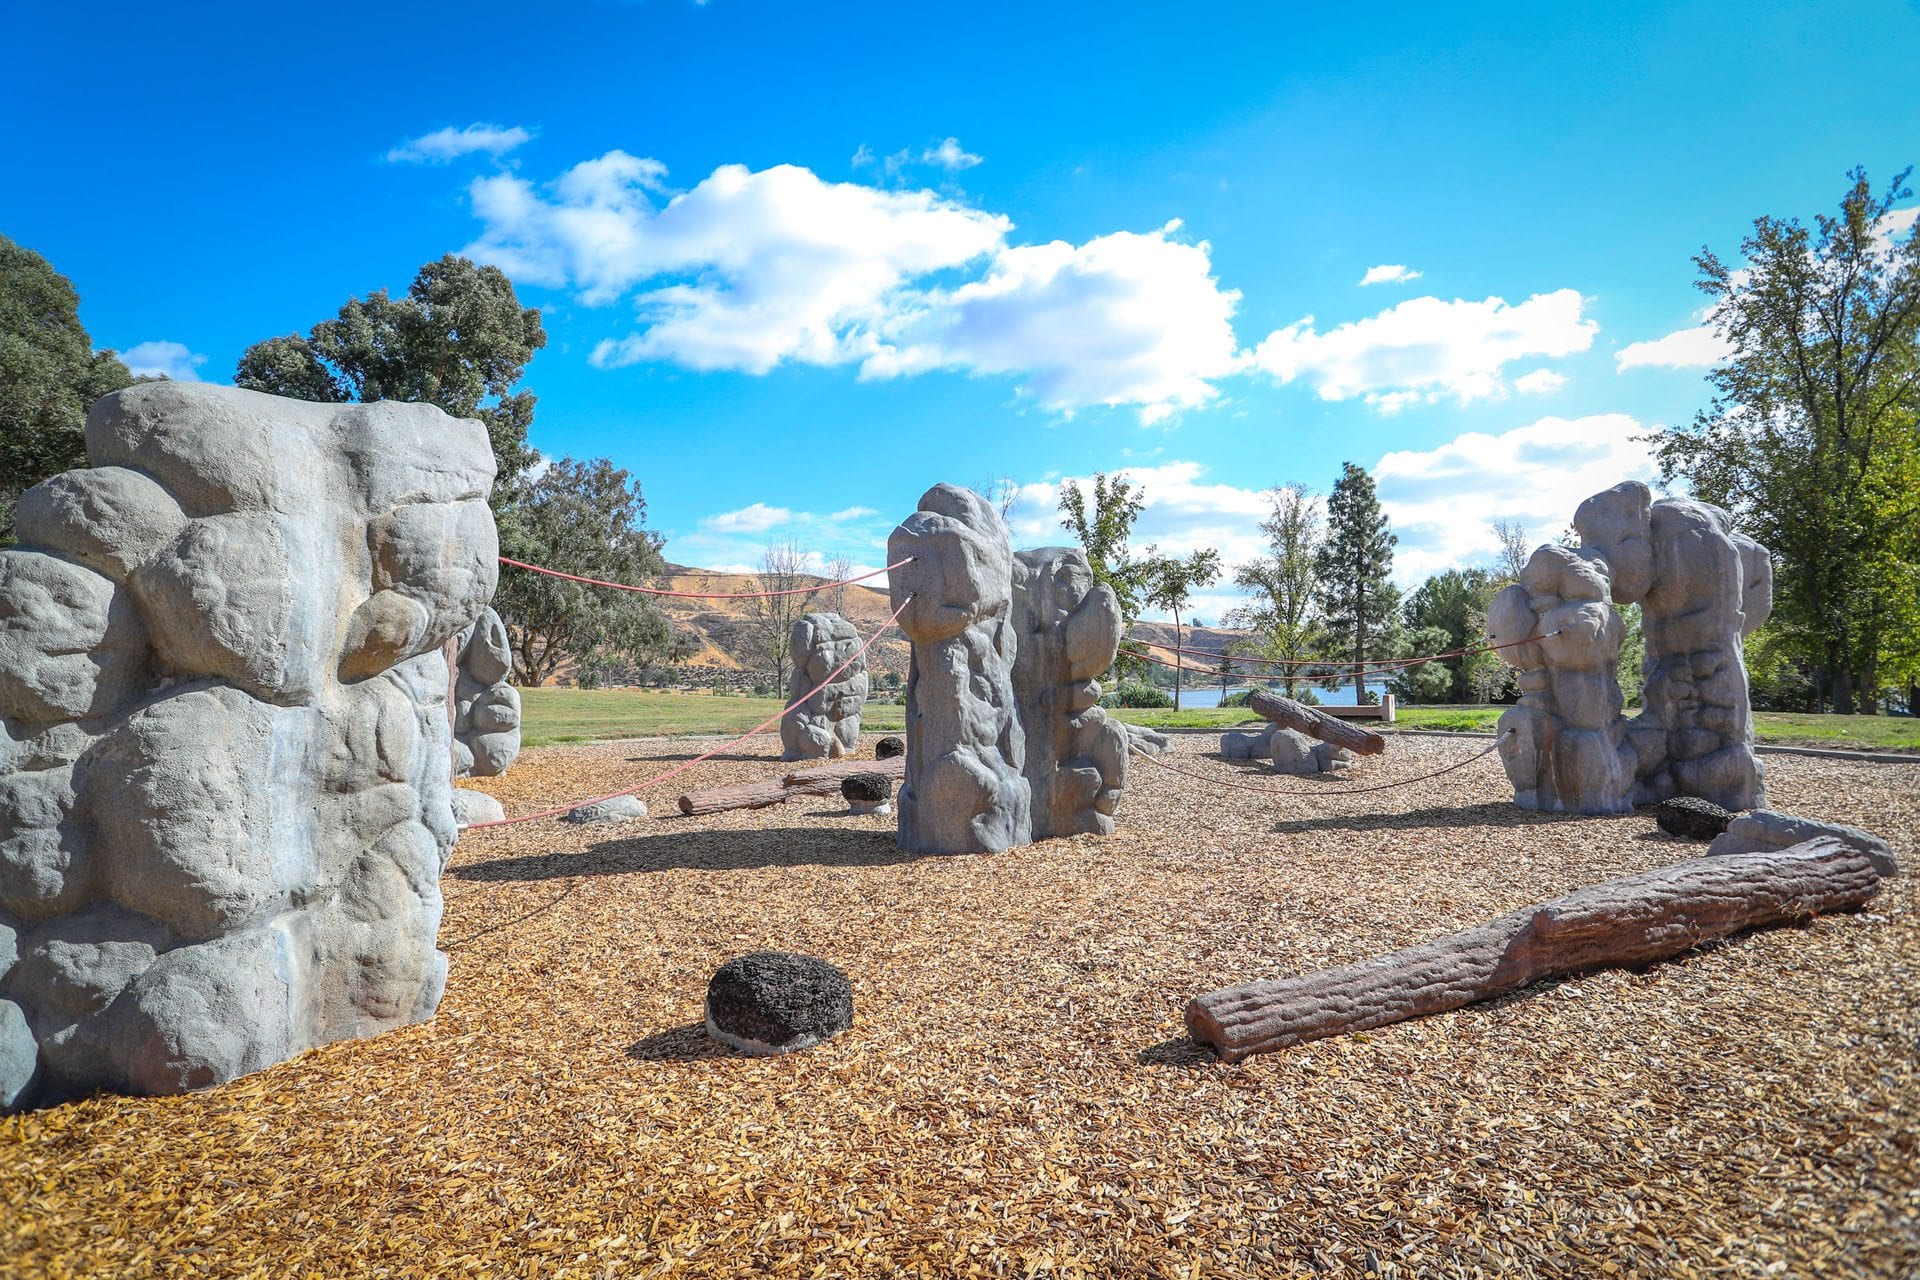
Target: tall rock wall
[
  {"x": 1068, "y": 630},
  {"x": 224, "y": 742},
  {"x": 966, "y": 790},
  {"x": 1702, "y": 589},
  {"x": 827, "y": 725},
  {"x": 486, "y": 708}
]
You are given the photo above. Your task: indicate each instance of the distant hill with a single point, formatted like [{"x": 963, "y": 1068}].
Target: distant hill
[{"x": 721, "y": 627}]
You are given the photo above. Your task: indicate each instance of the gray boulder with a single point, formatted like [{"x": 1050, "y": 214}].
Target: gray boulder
[
  {"x": 224, "y": 746},
  {"x": 1245, "y": 746},
  {"x": 826, "y": 725},
  {"x": 1765, "y": 829},
  {"x": 473, "y": 807},
  {"x": 1147, "y": 741},
  {"x": 612, "y": 809},
  {"x": 1292, "y": 752},
  {"x": 771, "y": 1002},
  {"x": 486, "y": 709}
]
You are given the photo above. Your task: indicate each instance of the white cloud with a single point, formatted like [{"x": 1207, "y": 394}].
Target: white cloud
[
  {"x": 1389, "y": 273},
  {"x": 1427, "y": 349},
  {"x": 1124, "y": 319},
  {"x": 949, "y": 155},
  {"x": 750, "y": 269},
  {"x": 1540, "y": 382},
  {"x": 853, "y": 513},
  {"x": 445, "y": 145},
  {"x": 757, "y": 518},
  {"x": 1696, "y": 348},
  {"x": 1443, "y": 501},
  {"x": 163, "y": 360}
]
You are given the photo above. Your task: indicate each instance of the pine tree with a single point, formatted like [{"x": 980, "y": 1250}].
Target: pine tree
[{"x": 1359, "y": 603}]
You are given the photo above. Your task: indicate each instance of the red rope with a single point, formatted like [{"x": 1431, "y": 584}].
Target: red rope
[
  {"x": 1349, "y": 791},
  {"x": 1333, "y": 662},
  {"x": 702, "y": 595},
  {"x": 677, "y": 770}
]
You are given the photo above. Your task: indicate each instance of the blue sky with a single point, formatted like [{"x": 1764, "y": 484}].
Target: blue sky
[{"x": 799, "y": 262}]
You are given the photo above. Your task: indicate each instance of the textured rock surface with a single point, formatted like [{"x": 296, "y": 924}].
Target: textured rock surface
[
  {"x": 966, "y": 790},
  {"x": 612, "y": 809},
  {"x": 1765, "y": 829},
  {"x": 1235, "y": 745},
  {"x": 827, "y": 725},
  {"x": 224, "y": 785},
  {"x": 1631, "y": 921},
  {"x": 486, "y": 709},
  {"x": 1702, "y": 589},
  {"x": 1691, "y": 818},
  {"x": 471, "y": 807},
  {"x": 1148, "y": 741},
  {"x": 889, "y": 747},
  {"x": 1068, "y": 630},
  {"x": 868, "y": 792},
  {"x": 776, "y": 1002}
]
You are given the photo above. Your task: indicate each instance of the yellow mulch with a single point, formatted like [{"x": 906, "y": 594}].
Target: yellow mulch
[{"x": 1016, "y": 1098}]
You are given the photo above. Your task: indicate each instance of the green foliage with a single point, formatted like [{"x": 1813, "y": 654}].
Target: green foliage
[
  {"x": 49, "y": 376},
  {"x": 583, "y": 518},
  {"x": 1281, "y": 615},
  {"x": 1136, "y": 693},
  {"x": 1452, "y": 607},
  {"x": 1812, "y": 438},
  {"x": 458, "y": 339},
  {"x": 1358, "y": 601},
  {"x": 1147, "y": 580}
]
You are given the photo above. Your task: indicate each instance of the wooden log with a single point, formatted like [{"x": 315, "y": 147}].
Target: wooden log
[
  {"x": 1316, "y": 724},
  {"x": 893, "y": 767},
  {"x": 822, "y": 780},
  {"x": 1631, "y": 921}
]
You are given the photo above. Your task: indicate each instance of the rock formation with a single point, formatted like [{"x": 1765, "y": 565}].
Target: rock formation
[
  {"x": 1290, "y": 750},
  {"x": 224, "y": 741},
  {"x": 1702, "y": 589},
  {"x": 966, "y": 790},
  {"x": 1068, "y": 628},
  {"x": 769, "y": 1002},
  {"x": 827, "y": 725},
  {"x": 486, "y": 709}
]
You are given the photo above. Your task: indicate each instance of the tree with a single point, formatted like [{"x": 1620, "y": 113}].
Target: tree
[
  {"x": 458, "y": 339},
  {"x": 1430, "y": 681},
  {"x": 50, "y": 375},
  {"x": 583, "y": 518},
  {"x": 770, "y": 618},
  {"x": 1514, "y": 551},
  {"x": 1104, "y": 532},
  {"x": 1452, "y": 603},
  {"x": 839, "y": 569},
  {"x": 1812, "y": 437},
  {"x": 1282, "y": 615},
  {"x": 1354, "y": 563},
  {"x": 1170, "y": 582}
]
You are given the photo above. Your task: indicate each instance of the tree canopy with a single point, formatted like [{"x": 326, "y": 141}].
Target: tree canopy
[
  {"x": 1355, "y": 566},
  {"x": 585, "y": 518},
  {"x": 49, "y": 376},
  {"x": 459, "y": 339},
  {"x": 1811, "y": 438},
  {"x": 1282, "y": 614}
]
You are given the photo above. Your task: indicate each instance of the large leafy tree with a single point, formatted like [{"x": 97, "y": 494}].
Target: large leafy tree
[
  {"x": 1811, "y": 438},
  {"x": 1359, "y": 602},
  {"x": 1281, "y": 615},
  {"x": 49, "y": 376},
  {"x": 585, "y": 518},
  {"x": 1445, "y": 613},
  {"x": 458, "y": 338}
]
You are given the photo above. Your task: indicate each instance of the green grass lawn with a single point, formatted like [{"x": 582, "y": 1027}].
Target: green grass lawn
[{"x": 587, "y": 715}]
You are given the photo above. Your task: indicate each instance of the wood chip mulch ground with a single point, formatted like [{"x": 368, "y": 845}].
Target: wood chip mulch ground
[{"x": 1016, "y": 1097}]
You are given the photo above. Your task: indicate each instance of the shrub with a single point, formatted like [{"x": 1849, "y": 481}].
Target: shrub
[{"x": 1138, "y": 694}]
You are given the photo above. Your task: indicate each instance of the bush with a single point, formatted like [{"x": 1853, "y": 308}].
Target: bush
[
  {"x": 1137, "y": 694},
  {"x": 1240, "y": 699}
]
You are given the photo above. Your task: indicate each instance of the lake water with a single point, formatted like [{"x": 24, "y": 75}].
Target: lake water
[{"x": 1209, "y": 696}]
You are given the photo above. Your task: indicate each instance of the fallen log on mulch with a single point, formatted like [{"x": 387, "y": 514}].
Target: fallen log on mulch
[
  {"x": 1315, "y": 724},
  {"x": 1634, "y": 920},
  {"x": 823, "y": 780}
]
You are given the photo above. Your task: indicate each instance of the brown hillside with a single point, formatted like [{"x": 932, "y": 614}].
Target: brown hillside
[{"x": 722, "y": 626}]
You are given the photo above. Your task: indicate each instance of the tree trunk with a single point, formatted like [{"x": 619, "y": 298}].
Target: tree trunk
[
  {"x": 1177, "y": 668},
  {"x": 1316, "y": 724},
  {"x": 1843, "y": 690},
  {"x": 822, "y": 781},
  {"x": 1626, "y": 922}
]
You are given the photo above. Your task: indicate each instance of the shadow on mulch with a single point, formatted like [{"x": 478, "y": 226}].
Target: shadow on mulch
[
  {"x": 1181, "y": 1051},
  {"x": 701, "y": 851},
  {"x": 690, "y": 1043},
  {"x": 1471, "y": 815}
]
